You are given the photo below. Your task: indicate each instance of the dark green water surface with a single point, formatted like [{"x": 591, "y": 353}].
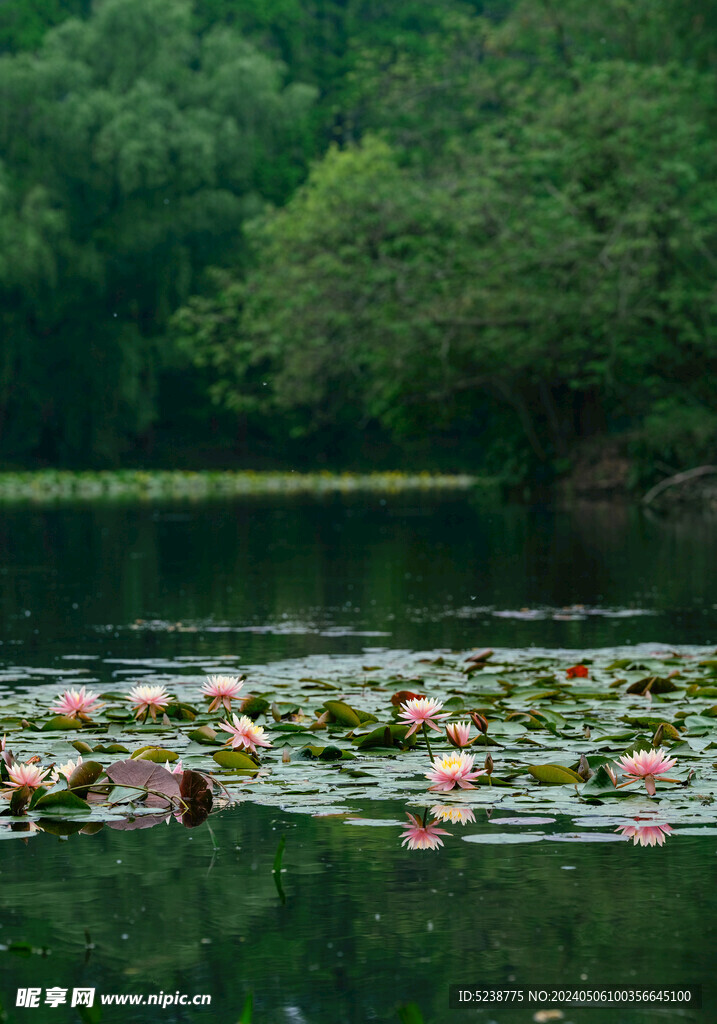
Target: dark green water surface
[
  {"x": 338, "y": 575},
  {"x": 367, "y": 925}
]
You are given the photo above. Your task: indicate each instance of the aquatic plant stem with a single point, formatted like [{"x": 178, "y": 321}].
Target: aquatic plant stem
[{"x": 428, "y": 745}]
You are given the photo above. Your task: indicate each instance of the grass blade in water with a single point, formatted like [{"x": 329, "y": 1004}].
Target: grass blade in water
[{"x": 276, "y": 870}]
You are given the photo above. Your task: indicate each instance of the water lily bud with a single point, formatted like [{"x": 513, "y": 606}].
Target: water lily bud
[{"x": 479, "y": 722}]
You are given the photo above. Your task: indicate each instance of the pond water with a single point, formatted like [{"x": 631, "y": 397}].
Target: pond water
[{"x": 367, "y": 925}]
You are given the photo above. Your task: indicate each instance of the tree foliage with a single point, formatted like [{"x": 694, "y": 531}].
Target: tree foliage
[
  {"x": 506, "y": 245},
  {"x": 132, "y": 151},
  {"x": 548, "y": 264}
]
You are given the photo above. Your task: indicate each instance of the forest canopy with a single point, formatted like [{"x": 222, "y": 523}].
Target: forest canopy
[{"x": 455, "y": 235}]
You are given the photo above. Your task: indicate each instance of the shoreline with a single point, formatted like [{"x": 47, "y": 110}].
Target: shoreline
[{"x": 53, "y": 486}]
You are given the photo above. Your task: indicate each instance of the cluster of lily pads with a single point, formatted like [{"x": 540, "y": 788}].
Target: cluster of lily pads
[{"x": 514, "y": 729}]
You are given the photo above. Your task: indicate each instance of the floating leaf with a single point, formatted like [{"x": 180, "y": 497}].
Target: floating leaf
[
  {"x": 61, "y": 723},
  {"x": 160, "y": 785},
  {"x": 601, "y": 785},
  {"x": 255, "y": 706},
  {"x": 157, "y": 754},
  {"x": 577, "y": 672},
  {"x": 204, "y": 734},
  {"x": 554, "y": 774},
  {"x": 482, "y": 655},
  {"x": 108, "y": 748},
  {"x": 665, "y": 731},
  {"x": 652, "y": 684},
  {"x": 386, "y": 736},
  {"x": 504, "y": 838},
  {"x": 184, "y": 712},
  {"x": 403, "y": 695},
  {"x": 84, "y": 776},
  {"x": 235, "y": 759},
  {"x": 327, "y": 753},
  {"x": 60, "y": 803},
  {"x": 82, "y": 747},
  {"x": 342, "y": 713},
  {"x": 197, "y": 795},
  {"x": 318, "y": 682}
]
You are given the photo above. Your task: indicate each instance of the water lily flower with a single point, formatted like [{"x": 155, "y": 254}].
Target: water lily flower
[
  {"x": 611, "y": 773},
  {"x": 30, "y": 775},
  {"x": 451, "y": 770},
  {"x": 646, "y": 835},
  {"x": 646, "y": 764},
  {"x": 456, "y": 815},
  {"x": 148, "y": 700},
  {"x": 76, "y": 703},
  {"x": 422, "y": 711},
  {"x": 244, "y": 733},
  {"x": 65, "y": 769},
  {"x": 177, "y": 769},
  {"x": 459, "y": 734},
  {"x": 421, "y": 836},
  {"x": 222, "y": 690}
]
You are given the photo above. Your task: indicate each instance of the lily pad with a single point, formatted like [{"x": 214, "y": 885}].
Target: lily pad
[
  {"x": 554, "y": 774},
  {"x": 235, "y": 759}
]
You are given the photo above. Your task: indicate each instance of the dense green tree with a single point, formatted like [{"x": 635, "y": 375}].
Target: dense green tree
[
  {"x": 132, "y": 151},
  {"x": 558, "y": 265},
  {"x": 23, "y": 23},
  {"x": 509, "y": 243}
]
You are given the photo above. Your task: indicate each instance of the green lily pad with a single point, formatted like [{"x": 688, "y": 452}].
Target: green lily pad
[
  {"x": 61, "y": 803},
  {"x": 326, "y": 753},
  {"x": 205, "y": 734},
  {"x": 554, "y": 774},
  {"x": 342, "y": 713},
  {"x": 84, "y": 776},
  {"x": 235, "y": 759},
  {"x": 61, "y": 723},
  {"x": 157, "y": 754}
]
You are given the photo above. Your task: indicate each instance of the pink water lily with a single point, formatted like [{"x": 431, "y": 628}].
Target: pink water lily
[
  {"x": 177, "y": 769},
  {"x": 646, "y": 835},
  {"x": 148, "y": 700},
  {"x": 459, "y": 734},
  {"x": 451, "y": 770},
  {"x": 455, "y": 815},
  {"x": 244, "y": 733},
  {"x": 420, "y": 836},
  {"x": 65, "y": 770},
  {"x": 422, "y": 711},
  {"x": 222, "y": 690},
  {"x": 645, "y": 765},
  {"x": 76, "y": 703},
  {"x": 30, "y": 775}
]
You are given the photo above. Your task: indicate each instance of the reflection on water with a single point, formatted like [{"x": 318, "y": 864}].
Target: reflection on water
[
  {"x": 645, "y": 835},
  {"x": 307, "y": 576},
  {"x": 367, "y": 924}
]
